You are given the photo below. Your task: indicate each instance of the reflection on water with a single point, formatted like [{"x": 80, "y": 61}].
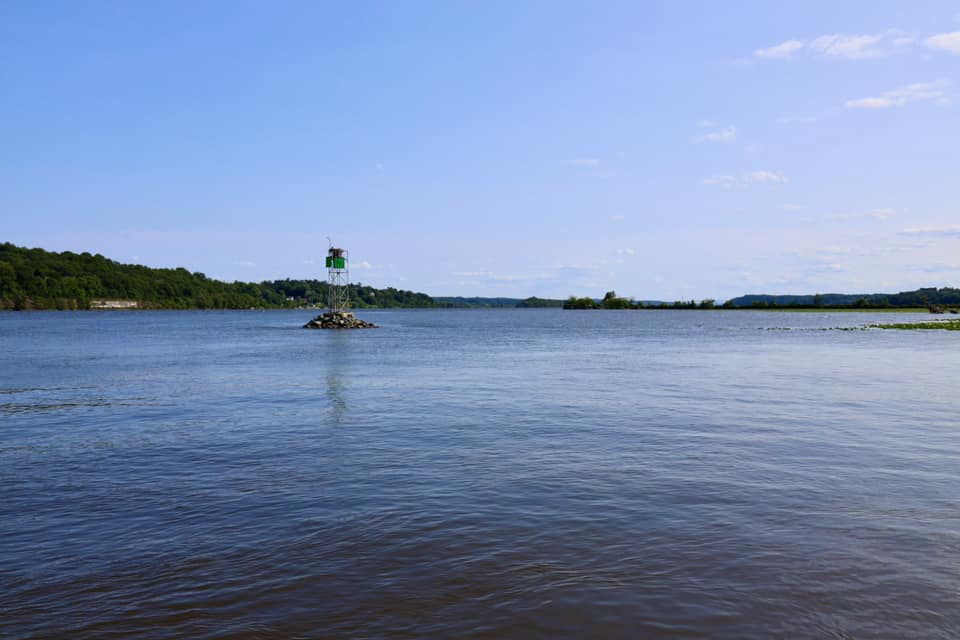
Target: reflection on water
[
  {"x": 527, "y": 473},
  {"x": 335, "y": 395},
  {"x": 338, "y": 350}
]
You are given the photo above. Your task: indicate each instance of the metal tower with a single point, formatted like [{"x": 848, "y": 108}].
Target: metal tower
[{"x": 338, "y": 279}]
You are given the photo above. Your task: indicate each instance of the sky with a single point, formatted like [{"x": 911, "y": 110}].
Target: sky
[{"x": 664, "y": 150}]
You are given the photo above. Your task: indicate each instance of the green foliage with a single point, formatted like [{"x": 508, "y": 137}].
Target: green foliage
[
  {"x": 460, "y": 302},
  {"x": 612, "y": 301},
  {"x": 38, "y": 279},
  {"x": 362, "y": 296},
  {"x": 905, "y": 299},
  {"x": 943, "y": 325},
  {"x": 539, "y": 302},
  {"x": 574, "y": 302}
]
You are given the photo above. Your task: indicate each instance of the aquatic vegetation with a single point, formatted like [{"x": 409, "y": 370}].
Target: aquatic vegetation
[{"x": 944, "y": 325}]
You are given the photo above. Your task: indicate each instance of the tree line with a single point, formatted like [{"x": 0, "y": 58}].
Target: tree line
[
  {"x": 932, "y": 298},
  {"x": 39, "y": 279},
  {"x": 611, "y": 300}
]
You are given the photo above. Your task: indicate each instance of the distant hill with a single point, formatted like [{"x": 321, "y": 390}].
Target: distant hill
[
  {"x": 534, "y": 301},
  {"x": 460, "y": 301},
  {"x": 918, "y": 298},
  {"x": 38, "y": 279},
  {"x": 481, "y": 302}
]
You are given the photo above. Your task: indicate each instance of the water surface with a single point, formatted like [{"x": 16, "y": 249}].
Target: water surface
[{"x": 503, "y": 473}]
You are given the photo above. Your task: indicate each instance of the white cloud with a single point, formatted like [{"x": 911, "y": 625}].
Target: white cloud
[
  {"x": 946, "y": 231},
  {"x": 869, "y": 103},
  {"x": 782, "y": 50},
  {"x": 362, "y": 265},
  {"x": 766, "y": 176},
  {"x": 949, "y": 42},
  {"x": 726, "y": 134},
  {"x": 753, "y": 177},
  {"x": 841, "y": 46},
  {"x": 917, "y": 92},
  {"x": 706, "y": 124},
  {"x": 585, "y": 162},
  {"x": 721, "y": 181},
  {"x": 873, "y": 214},
  {"x": 791, "y": 207},
  {"x": 855, "y": 47},
  {"x": 246, "y": 263},
  {"x": 490, "y": 276},
  {"x": 796, "y": 119},
  {"x": 942, "y": 267},
  {"x": 626, "y": 252}
]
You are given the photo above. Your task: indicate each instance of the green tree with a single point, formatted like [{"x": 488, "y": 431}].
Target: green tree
[
  {"x": 574, "y": 302},
  {"x": 8, "y": 280},
  {"x": 612, "y": 301}
]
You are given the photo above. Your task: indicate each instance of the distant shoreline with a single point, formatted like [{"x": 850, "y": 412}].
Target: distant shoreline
[
  {"x": 476, "y": 308},
  {"x": 35, "y": 279}
]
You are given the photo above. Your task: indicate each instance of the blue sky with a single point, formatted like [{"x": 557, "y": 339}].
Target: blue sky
[{"x": 664, "y": 150}]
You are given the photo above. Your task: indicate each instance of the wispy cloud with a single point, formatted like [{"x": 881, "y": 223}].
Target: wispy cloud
[
  {"x": 362, "y": 265},
  {"x": 942, "y": 267},
  {"x": 759, "y": 177},
  {"x": 944, "y": 231},
  {"x": 791, "y": 207},
  {"x": 796, "y": 119},
  {"x": 491, "y": 277},
  {"x": 917, "y": 92},
  {"x": 585, "y": 162},
  {"x": 841, "y": 46},
  {"x": 246, "y": 263},
  {"x": 783, "y": 50},
  {"x": 747, "y": 179},
  {"x": 872, "y": 214},
  {"x": 851, "y": 47},
  {"x": 722, "y": 181},
  {"x": 626, "y": 252},
  {"x": 949, "y": 42},
  {"x": 829, "y": 267},
  {"x": 726, "y": 134}
]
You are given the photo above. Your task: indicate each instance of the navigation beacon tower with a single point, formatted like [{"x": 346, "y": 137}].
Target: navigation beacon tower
[
  {"x": 338, "y": 296},
  {"x": 338, "y": 279}
]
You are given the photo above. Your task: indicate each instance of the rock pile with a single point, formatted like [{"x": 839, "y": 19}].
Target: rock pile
[{"x": 338, "y": 320}]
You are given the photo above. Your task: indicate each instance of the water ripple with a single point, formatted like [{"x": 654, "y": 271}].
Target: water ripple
[{"x": 531, "y": 474}]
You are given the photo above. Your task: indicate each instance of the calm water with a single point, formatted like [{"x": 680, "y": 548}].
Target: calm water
[{"x": 513, "y": 473}]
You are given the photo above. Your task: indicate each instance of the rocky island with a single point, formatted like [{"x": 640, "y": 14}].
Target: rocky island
[{"x": 338, "y": 320}]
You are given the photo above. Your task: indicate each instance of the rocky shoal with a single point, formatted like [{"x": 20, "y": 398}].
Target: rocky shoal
[{"x": 338, "y": 320}]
